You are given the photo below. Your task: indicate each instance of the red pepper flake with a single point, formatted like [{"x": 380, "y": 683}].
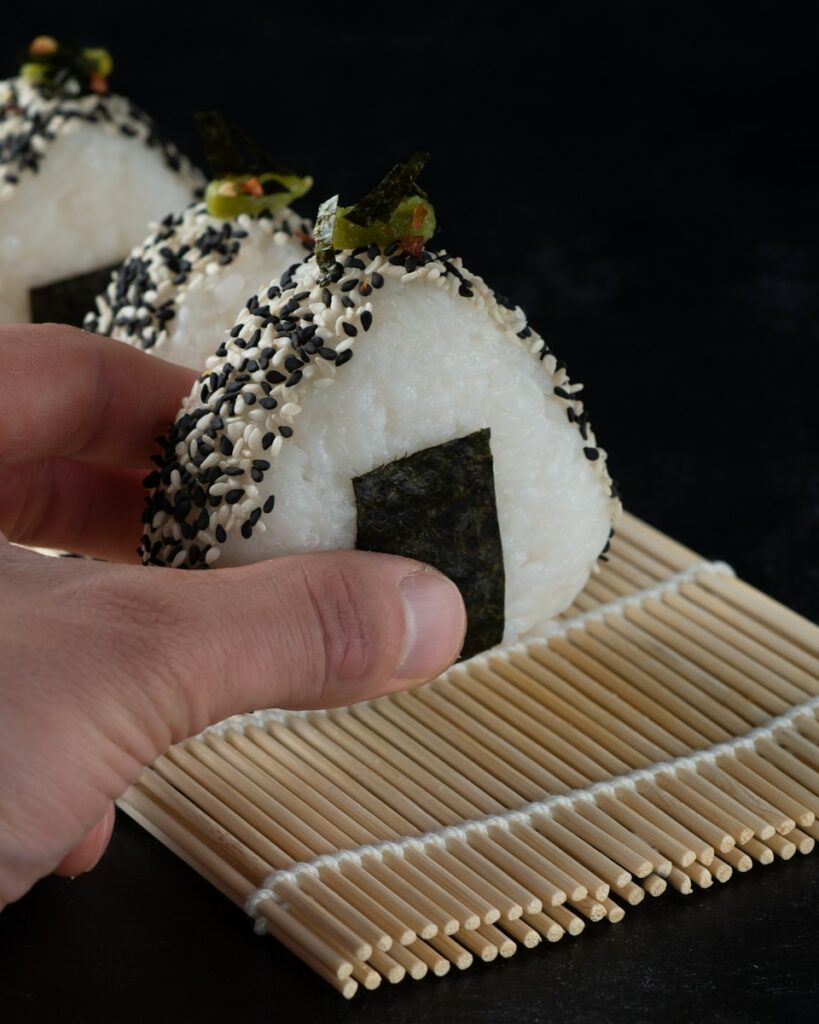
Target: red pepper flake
[
  {"x": 252, "y": 187},
  {"x": 413, "y": 244},
  {"x": 304, "y": 237},
  {"x": 42, "y": 46},
  {"x": 419, "y": 214},
  {"x": 97, "y": 82}
]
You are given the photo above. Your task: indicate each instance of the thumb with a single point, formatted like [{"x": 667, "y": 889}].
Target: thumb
[{"x": 304, "y": 631}]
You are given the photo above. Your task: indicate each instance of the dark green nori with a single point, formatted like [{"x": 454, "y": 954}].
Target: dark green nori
[
  {"x": 323, "y": 234},
  {"x": 67, "y": 301},
  {"x": 229, "y": 150},
  {"x": 388, "y": 193},
  {"x": 438, "y": 505}
]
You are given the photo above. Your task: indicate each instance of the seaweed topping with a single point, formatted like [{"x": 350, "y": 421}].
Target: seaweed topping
[
  {"x": 61, "y": 68},
  {"x": 438, "y": 506},
  {"x": 244, "y": 179},
  {"x": 294, "y": 336},
  {"x": 397, "y": 210}
]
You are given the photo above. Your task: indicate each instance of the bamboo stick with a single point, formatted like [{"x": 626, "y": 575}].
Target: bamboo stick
[{"x": 654, "y": 885}]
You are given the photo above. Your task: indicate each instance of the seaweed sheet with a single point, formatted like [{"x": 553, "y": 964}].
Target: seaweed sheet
[
  {"x": 438, "y": 505},
  {"x": 67, "y": 301}
]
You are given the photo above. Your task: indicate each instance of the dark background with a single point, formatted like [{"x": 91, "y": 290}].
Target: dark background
[{"x": 642, "y": 178}]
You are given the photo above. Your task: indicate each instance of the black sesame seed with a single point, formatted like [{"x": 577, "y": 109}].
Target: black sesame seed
[
  {"x": 294, "y": 379},
  {"x": 344, "y": 357},
  {"x": 286, "y": 431},
  {"x": 225, "y": 446},
  {"x": 221, "y": 534},
  {"x": 268, "y": 403},
  {"x": 592, "y": 454},
  {"x": 377, "y": 280},
  {"x": 366, "y": 319},
  {"x": 268, "y": 440},
  {"x": 247, "y": 530},
  {"x": 268, "y": 505},
  {"x": 327, "y": 353},
  {"x": 349, "y": 329},
  {"x": 235, "y": 495},
  {"x": 349, "y": 284}
]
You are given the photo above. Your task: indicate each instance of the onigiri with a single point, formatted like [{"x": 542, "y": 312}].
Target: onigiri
[
  {"x": 381, "y": 395},
  {"x": 82, "y": 173}
]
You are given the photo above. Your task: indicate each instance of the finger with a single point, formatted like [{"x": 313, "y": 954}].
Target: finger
[
  {"x": 181, "y": 650},
  {"x": 69, "y": 393},
  {"x": 74, "y": 506},
  {"x": 87, "y": 853}
]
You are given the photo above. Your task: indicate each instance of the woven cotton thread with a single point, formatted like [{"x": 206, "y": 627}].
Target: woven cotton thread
[{"x": 522, "y": 815}]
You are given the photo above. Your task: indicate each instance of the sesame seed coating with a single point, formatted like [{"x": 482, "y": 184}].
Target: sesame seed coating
[
  {"x": 311, "y": 351},
  {"x": 145, "y": 293}
]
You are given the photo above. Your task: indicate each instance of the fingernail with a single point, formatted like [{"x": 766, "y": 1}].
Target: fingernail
[{"x": 436, "y": 623}]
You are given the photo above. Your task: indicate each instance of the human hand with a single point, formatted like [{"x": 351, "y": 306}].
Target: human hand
[{"x": 106, "y": 664}]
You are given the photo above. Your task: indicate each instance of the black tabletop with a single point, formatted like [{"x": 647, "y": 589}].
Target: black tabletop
[{"x": 642, "y": 178}]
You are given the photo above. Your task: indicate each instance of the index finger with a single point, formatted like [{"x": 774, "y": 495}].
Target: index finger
[{"x": 64, "y": 392}]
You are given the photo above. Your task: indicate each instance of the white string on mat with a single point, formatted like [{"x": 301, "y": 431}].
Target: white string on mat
[
  {"x": 519, "y": 816},
  {"x": 560, "y": 628}
]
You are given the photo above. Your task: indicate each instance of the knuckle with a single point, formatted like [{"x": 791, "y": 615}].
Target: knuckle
[{"x": 348, "y": 632}]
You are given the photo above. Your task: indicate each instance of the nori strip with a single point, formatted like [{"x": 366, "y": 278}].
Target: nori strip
[
  {"x": 438, "y": 505},
  {"x": 229, "y": 150},
  {"x": 388, "y": 193},
  {"x": 67, "y": 301},
  {"x": 323, "y": 234}
]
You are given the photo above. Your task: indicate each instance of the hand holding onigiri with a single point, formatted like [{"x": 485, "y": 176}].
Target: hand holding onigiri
[{"x": 379, "y": 395}]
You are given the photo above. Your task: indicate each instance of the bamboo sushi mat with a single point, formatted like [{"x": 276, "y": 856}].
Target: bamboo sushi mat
[{"x": 665, "y": 736}]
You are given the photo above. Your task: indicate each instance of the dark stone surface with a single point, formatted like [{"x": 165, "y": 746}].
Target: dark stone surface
[{"x": 643, "y": 179}]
